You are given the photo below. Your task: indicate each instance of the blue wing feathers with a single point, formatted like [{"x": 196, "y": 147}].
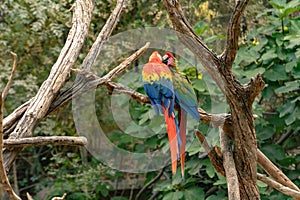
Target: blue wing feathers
[{"x": 189, "y": 106}]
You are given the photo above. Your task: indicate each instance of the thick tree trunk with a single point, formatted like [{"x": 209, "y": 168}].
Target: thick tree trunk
[{"x": 239, "y": 97}]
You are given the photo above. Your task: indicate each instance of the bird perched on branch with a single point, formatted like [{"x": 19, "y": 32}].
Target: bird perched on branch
[
  {"x": 158, "y": 84},
  {"x": 186, "y": 100}
]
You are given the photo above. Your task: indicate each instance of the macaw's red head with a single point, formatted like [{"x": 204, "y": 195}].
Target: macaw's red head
[
  {"x": 155, "y": 57},
  {"x": 169, "y": 59}
]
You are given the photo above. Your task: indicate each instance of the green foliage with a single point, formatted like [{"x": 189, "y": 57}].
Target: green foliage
[
  {"x": 36, "y": 31},
  {"x": 273, "y": 50}
]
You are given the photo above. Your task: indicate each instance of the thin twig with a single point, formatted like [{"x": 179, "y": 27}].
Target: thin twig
[
  {"x": 16, "y": 187},
  {"x": 45, "y": 140},
  {"x": 29, "y": 197},
  {"x": 149, "y": 183},
  {"x": 13, "y": 71},
  {"x": 281, "y": 188},
  {"x": 4, "y": 178},
  {"x": 60, "y": 198},
  {"x": 283, "y": 137}
]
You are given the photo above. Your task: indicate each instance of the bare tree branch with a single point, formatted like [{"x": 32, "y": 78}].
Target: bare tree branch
[
  {"x": 233, "y": 33},
  {"x": 217, "y": 162},
  {"x": 281, "y": 188},
  {"x": 10, "y": 79},
  {"x": 229, "y": 166},
  {"x": 45, "y": 140},
  {"x": 214, "y": 154},
  {"x": 89, "y": 80},
  {"x": 39, "y": 105},
  {"x": 60, "y": 198},
  {"x": 4, "y": 178},
  {"x": 273, "y": 171},
  {"x": 137, "y": 197},
  {"x": 254, "y": 88}
]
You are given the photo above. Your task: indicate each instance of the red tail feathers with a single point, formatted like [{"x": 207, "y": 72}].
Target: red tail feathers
[
  {"x": 171, "y": 130},
  {"x": 182, "y": 131}
]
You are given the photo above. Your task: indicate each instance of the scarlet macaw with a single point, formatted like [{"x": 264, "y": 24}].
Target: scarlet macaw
[
  {"x": 158, "y": 84},
  {"x": 185, "y": 98}
]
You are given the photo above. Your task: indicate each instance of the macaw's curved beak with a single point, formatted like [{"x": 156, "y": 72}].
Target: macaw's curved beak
[{"x": 171, "y": 62}]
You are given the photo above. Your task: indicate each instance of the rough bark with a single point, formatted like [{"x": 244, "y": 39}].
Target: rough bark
[
  {"x": 4, "y": 179},
  {"x": 39, "y": 105},
  {"x": 239, "y": 97},
  {"x": 238, "y": 125},
  {"x": 229, "y": 166},
  {"x": 45, "y": 140},
  {"x": 219, "y": 164},
  {"x": 281, "y": 188}
]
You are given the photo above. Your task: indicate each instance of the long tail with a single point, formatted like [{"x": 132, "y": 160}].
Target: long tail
[
  {"x": 171, "y": 130},
  {"x": 182, "y": 131}
]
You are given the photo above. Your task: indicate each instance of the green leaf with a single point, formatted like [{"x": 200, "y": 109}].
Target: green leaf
[
  {"x": 253, "y": 72},
  {"x": 194, "y": 193},
  {"x": 276, "y": 73},
  {"x": 286, "y": 108},
  {"x": 221, "y": 181},
  {"x": 267, "y": 92},
  {"x": 270, "y": 54},
  {"x": 265, "y": 132},
  {"x": 209, "y": 168},
  {"x": 288, "y": 11},
  {"x": 119, "y": 198},
  {"x": 293, "y": 41},
  {"x": 297, "y": 53},
  {"x": 293, "y": 4},
  {"x": 102, "y": 189},
  {"x": 296, "y": 71},
  {"x": 199, "y": 84},
  {"x": 273, "y": 151},
  {"x": 200, "y": 28},
  {"x": 290, "y": 65},
  {"x": 278, "y": 4},
  {"x": 289, "y": 86},
  {"x": 173, "y": 195},
  {"x": 194, "y": 148},
  {"x": 164, "y": 186},
  {"x": 261, "y": 184},
  {"x": 193, "y": 166},
  {"x": 292, "y": 117}
]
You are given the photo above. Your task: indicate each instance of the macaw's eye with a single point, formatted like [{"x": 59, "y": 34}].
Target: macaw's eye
[{"x": 165, "y": 57}]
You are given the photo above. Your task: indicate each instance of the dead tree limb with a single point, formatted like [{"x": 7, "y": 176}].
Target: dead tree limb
[
  {"x": 281, "y": 188},
  {"x": 4, "y": 179},
  {"x": 39, "y": 105},
  {"x": 217, "y": 162},
  {"x": 233, "y": 33},
  {"x": 229, "y": 166},
  {"x": 273, "y": 171},
  {"x": 45, "y": 140},
  {"x": 214, "y": 154}
]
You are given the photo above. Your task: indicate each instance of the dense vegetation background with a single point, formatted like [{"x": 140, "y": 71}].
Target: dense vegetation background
[{"x": 269, "y": 44}]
